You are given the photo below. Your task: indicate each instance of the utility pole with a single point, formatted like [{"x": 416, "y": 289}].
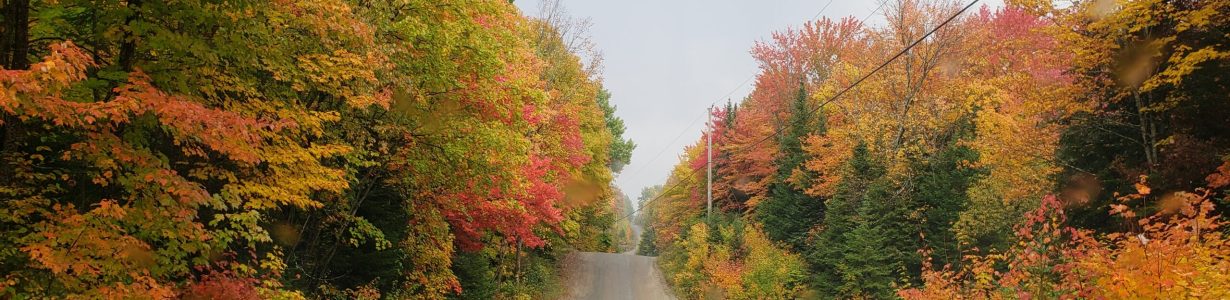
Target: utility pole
[{"x": 709, "y": 168}]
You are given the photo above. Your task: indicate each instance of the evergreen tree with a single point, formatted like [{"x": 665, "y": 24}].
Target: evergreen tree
[
  {"x": 875, "y": 224},
  {"x": 477, "y": 276},
  {"x": 866, "y": 263},
  {"x": 788, "y": 213},
  {"x": 621, "y": 148},
  {"x": 851, "y": 227},
  {"x": 646, "y": 246},
  {"x": 939, "y": 187}
]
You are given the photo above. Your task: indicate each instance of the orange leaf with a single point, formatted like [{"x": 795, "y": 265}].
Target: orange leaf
[{"x": 1142, "y": 189}]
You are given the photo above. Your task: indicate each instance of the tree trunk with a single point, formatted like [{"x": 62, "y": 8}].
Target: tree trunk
[
  {"x": 14, "y": 49},
  {"x": 1148, "y": 132},
  {"x": 15, "y": 38},
  {"x": 128, "y": 47}
]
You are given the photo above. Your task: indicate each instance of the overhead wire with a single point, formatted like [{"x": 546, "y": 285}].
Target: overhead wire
[
  {"x": 822, "y": 104},
  {"x": 727, "y": 97}
]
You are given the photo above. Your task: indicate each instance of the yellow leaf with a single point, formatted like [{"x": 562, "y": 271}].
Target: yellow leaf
[{"x": 1142, "y": 189}]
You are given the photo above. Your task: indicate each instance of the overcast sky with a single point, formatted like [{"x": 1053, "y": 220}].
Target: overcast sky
[{"x": 667, "y": 60}]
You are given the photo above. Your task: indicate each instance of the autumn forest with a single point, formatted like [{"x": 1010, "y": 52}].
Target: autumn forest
[
  {"x": 424, "y": 149},
  {"x": 1042, "y": 150}
]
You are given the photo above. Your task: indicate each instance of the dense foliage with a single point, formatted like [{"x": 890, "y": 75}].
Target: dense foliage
[
  {"x": 1040, "y": 150},
  {"x": 283, "y": 149}
]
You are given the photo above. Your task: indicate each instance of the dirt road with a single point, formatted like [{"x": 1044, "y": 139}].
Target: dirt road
[{"x": 615, "y": 276}]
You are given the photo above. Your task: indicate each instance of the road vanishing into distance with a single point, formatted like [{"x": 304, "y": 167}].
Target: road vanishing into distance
[{"x": 615, "y": 276}]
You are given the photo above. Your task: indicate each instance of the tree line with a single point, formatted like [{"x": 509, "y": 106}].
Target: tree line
[
  {"x": 1038, "y": 150},
  {"x": 296, "y": 149}
]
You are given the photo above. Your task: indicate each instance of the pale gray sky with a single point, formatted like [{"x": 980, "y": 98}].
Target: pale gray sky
[{"x": 667, "y": 60}]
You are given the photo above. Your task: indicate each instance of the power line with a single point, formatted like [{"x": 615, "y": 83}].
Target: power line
[
  {"x": 690, "y": 125},
  {"x": 878, "y": 68},
  {"x": 873, "y": 12},
  {"x": 826, "y": 6},
  {"x": 826, "y": 102},
  {"x": 711, "y": 104}
]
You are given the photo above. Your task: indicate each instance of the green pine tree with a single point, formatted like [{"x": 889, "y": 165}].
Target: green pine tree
[
  {"x": 788, "y": 213},
  {"x": 647, "y": 246},
  {"x": 939, "y": 188},
  {"x": 850, "y": 214},
  {"x": 867, "y": 263},
  {"x": 621, "y": 148},
  {"x": 477, "y": 276},
  {"x": 876, "y": 224}
]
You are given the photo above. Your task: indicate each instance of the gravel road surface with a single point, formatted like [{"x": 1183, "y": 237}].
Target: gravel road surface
[{"x": 615, "y": 276}]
